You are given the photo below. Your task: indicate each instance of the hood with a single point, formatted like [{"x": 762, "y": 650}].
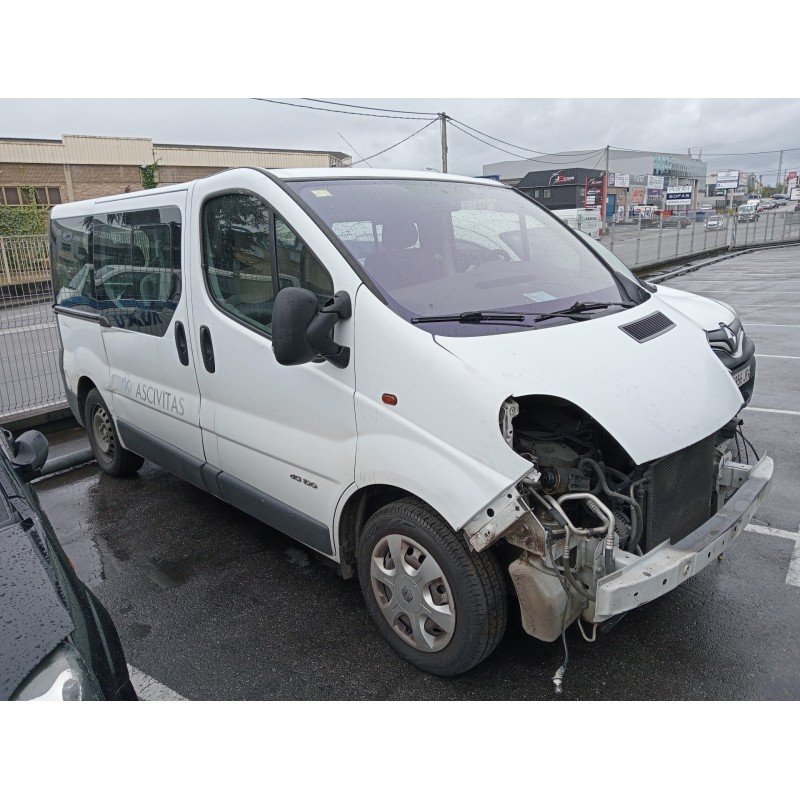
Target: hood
[
  {"x": 35, "y": 617},
  {"x": 708, "y": 314},
  {"x": 654, "y": 397}
]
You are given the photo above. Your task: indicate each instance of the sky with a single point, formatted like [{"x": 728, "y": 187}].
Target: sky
[{"x": 731, "y": 133}]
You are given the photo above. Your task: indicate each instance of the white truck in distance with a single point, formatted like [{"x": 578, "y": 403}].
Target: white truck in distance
[{"x": 428, "y": 379}]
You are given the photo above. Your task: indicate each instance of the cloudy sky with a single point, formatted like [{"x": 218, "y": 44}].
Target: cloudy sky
[{"x": 735, "y": 133}]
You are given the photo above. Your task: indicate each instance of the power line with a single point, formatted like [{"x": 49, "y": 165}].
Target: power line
[
  {"x": 528, "y": 158},
  {"x": 332, "y": 110},
  {"x": 370, "y": 108},
  {"x": 517, "y": 146},
  {"x": 386, "y": 150}
]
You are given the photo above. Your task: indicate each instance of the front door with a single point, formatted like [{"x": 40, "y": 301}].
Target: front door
[{"x": 283, "y": 437}]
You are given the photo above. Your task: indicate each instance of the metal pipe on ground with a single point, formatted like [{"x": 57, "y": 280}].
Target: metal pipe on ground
[{"x": 67, "y": 461}]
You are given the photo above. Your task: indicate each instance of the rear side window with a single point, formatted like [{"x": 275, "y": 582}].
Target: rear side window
[
  {"x": 137, "y": 268},
  {"x": 71, "y": 258},
  {"x": 123, "y": 266}
]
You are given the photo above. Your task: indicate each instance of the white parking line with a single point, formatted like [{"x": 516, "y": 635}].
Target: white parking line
[
  {"x": 769, "y": 325},
  {"x": 766, "y": 355},
  {"x": 793, "y": 575},
  {"x": 149, "y": 688},
  {"x": 772, "y": 410}
]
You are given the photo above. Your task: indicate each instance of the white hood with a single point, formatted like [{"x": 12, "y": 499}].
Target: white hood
[
  {"x": 654, "y": 398},
  {"x": 708, "y": 314}
]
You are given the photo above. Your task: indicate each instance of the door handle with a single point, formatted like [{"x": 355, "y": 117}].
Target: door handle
[
  {"x": 207, "y": 348},
  {"x": 181, "y": 344}
]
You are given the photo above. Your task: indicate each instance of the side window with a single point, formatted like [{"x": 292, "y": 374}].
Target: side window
[
  {"x": 71, "y": 259},
  {"x": 137, "y": 268},
  {"x": 237, "y": 257},
  {"x": 298, "y": 266}
]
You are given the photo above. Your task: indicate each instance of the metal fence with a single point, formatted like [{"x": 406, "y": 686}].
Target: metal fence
[
  {"x": 30, "y": 379},
  {"x": 646, "y": 243}
]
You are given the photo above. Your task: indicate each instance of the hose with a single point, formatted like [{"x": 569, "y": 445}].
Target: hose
[{"x": 623, "y": 498}]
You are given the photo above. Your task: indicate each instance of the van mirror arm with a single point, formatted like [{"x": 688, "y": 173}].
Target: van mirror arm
[{"x": 320, "y": 329}]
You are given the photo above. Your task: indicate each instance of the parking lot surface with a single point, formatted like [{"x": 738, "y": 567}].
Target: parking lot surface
[{"x": 214, "y": 605}]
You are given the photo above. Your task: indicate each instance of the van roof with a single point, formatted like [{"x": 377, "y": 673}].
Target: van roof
[{"x": 79, "y": 207}]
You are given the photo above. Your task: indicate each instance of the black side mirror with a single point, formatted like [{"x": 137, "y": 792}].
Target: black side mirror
[
  {"x": 301, "y": 331},
  {"x": 30, "y": 454}
]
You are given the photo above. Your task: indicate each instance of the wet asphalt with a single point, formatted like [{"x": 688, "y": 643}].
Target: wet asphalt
[{"x": 215, "y": 605}]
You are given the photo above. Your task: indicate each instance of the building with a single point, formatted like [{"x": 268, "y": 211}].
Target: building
[
  {"x": 81, "y": 167},
  {"x": 635, "y": 177}
]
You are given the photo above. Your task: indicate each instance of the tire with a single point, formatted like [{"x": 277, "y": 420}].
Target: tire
[
  {"x": 438, "y": 604},
  {"x": 111, "y": 456}
]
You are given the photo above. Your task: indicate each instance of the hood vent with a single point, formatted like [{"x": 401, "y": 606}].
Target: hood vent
[{"x": 648, "y": 328}]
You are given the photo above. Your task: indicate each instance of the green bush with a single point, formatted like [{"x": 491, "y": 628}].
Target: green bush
[{"x": 23, "y": 220}]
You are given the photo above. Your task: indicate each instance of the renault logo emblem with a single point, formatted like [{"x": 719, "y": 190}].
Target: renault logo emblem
[{"x": 408, "y": 595}]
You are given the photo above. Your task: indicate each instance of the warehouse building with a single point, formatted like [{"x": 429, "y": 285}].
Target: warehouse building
[
  {"x": 81, "y": 167},
  {"x": 635, "y": 177}
]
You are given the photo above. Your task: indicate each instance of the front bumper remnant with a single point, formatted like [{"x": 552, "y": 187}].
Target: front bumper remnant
[{"x": 640, "y": 579}]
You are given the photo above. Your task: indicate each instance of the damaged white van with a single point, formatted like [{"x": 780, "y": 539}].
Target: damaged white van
[{"x": 431, "y": 380}]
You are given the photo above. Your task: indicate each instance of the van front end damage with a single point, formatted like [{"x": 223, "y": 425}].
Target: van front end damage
[{"x": 594, "y": 535}]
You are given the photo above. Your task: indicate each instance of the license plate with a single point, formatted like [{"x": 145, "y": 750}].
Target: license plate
[{"x": 742, "y": 376}]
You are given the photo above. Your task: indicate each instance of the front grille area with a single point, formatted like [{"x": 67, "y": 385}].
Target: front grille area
[
  {"x": 647, "y": 328},
  {"x": 679, "y": 497}
]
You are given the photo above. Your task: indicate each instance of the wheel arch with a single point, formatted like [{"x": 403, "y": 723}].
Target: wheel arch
[
  {"x": 85, "y": 385},
  {"x": 357, "y": 509}
]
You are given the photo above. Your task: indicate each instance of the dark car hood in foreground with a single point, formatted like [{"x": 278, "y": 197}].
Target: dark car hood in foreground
[
  {"x": 34, "y": 618},
  {"x": 33, "y": 613}
]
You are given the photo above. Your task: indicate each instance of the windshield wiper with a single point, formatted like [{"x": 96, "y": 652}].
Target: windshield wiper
[
  {"x": 471, "y": 318},
  {"x": 576, "y": 310}
]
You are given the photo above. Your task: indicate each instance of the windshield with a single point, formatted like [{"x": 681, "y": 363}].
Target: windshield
[{"x": 437, "y": 248}]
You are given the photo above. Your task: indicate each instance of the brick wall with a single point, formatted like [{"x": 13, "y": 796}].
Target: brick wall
[
  {"x": 90, "y": 181},
  {"x": 34, "y": 175}
]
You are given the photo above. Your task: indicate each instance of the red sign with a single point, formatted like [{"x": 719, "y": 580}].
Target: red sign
[{"x": 556, "y": 178}]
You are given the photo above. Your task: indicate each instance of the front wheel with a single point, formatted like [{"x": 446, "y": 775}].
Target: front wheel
[
  {"x": 111, "y": 456},
  {"x": 440, "y": 605}
]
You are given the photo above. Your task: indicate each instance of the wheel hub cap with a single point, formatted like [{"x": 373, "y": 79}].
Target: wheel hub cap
[{"x": 412, "y": 593}]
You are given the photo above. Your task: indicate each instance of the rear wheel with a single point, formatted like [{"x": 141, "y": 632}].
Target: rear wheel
[
  {"x": 111, "y": 456},
  {"x": 440, "y": 605}
]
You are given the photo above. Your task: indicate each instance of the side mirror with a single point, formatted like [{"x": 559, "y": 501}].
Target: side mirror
[
  {"x": 301, "y": 331},
  {"x": 30, "y": 454}
]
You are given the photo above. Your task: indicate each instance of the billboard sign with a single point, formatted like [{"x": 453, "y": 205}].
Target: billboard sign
[
  {"x": 620, "y": 179},
  {"x": 556, "y": 179},
  {"x": 655, "y": 182},
  {"x": 679, "y": 195},
  {"x": 728, "y": 179}
]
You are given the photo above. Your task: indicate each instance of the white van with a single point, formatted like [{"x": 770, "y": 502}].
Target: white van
[
  {"x": 428, "y": 379},
  {"x": 586, "y": 220}
]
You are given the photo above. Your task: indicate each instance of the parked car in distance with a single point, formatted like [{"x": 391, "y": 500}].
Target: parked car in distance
[
  {"x": 779, "y": 199},
  {"x": 716, "y": 223},
  {"x": 747, "y": 213},
  {"x": 766, "y": 204},
  {"x": 676, "y": 221},
  {"x": 57, "y": 642}
]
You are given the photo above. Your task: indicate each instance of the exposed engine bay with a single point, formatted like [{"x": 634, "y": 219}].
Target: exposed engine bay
[{"x": 585, "y": 510}]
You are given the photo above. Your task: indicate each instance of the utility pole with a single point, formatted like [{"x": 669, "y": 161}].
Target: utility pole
[
  {"x": 443, "y": 121},
  {"x": 778, "y": 177},
  {"x": 605, "y": 191}
]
